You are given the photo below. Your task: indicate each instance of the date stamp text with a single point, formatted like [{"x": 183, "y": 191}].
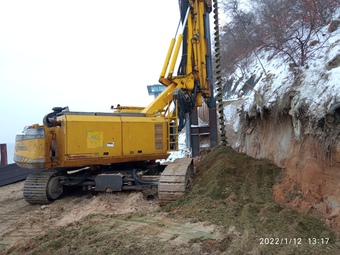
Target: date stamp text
[{"x": 292, "y": 241}]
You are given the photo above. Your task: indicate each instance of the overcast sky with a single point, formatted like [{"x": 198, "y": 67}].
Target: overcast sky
[{"x": 87, "y": 55}]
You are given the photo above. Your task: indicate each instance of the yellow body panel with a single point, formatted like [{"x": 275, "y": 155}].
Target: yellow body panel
[
  {"x": 85, "y": 139},
  {"x": 91, "y": 140},
  {"x": 30, "y": 148},
  {"x": 140, "y": 135}
]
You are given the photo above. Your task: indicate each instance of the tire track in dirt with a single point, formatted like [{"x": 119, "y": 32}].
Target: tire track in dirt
[
  {"x": 168, "y": 229},
  {"x": 20, "y": 220},
  {"x": 127, "y": 214},
  {"x": 13, "y": 214}
]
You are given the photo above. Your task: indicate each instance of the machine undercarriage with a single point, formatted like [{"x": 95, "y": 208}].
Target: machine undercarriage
[{"x": 45, "y": 186}]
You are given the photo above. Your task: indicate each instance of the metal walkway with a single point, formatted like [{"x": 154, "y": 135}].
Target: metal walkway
[{"x": 12, "y": 173}]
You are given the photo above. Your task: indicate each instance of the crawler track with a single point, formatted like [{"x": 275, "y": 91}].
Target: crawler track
[
  {"x": 35, "y": 189},
  {"x": 174, "y": 180}
]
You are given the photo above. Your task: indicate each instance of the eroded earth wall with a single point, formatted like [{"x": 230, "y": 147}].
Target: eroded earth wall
[{"x": 310, "y": 178}]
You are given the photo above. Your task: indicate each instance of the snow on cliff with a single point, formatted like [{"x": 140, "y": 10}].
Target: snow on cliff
[{"x": 269, "y": 83}]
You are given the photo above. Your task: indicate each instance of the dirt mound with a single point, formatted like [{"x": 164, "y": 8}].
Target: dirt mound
[
  {"x": 110, "y": 204},
  {"x": 234, "y": 191}
]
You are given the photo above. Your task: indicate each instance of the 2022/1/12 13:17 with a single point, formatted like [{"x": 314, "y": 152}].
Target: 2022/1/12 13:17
[{"x": 294, "y": 241}]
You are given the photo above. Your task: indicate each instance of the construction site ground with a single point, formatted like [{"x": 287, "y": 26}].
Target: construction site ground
[{"x": 229, "y": 209}]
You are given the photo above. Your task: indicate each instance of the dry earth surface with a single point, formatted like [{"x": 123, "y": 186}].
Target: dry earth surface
[{"x": 229, "y": 209}]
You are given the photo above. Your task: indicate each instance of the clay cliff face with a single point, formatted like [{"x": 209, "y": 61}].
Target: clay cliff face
[
  {"x": 293, "y": 119},
  {"x": 310, "y": 178}
]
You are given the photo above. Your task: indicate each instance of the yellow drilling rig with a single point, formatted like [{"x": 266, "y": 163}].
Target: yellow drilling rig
[{"x": 118, "y": 150}]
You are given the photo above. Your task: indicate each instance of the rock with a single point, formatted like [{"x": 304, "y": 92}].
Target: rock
[
  {"x": 335, "y": 213},
  {"x": 333, "y": 25}
]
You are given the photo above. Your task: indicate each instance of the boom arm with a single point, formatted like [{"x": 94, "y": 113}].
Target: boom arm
[{"x": 194, "y": 78}]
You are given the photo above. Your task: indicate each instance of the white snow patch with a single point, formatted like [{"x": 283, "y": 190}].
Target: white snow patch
[{"x": 319, "y": 88}]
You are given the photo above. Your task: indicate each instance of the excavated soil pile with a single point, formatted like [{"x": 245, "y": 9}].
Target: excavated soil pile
[
  {"x": 234, "y": 191},
  {"x": 229, "y": 209}
]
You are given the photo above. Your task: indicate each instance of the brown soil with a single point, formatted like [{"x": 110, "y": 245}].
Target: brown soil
[
  {"x": 117, "y": 223},
  {"x": 229, "y": 209},
  {"x": 310, "y": 176}
]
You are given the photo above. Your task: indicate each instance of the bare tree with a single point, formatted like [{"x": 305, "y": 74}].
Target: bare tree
[
  {"x": 238, "y": 37},
  {"x": 285, "y": 26}
]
